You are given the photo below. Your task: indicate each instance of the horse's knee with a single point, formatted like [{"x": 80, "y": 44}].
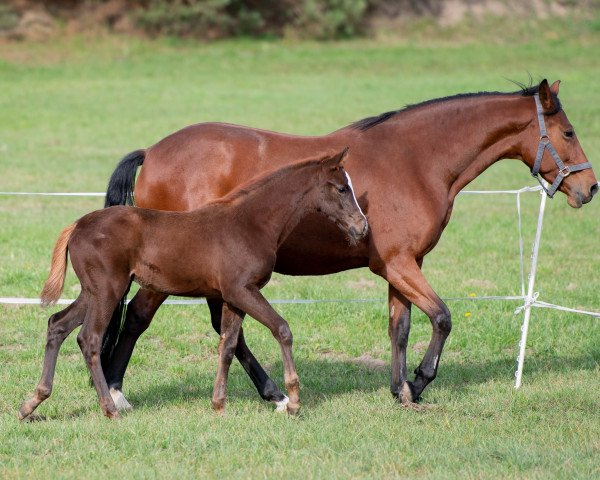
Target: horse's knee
[
  {"x": 442, "y": 321},
  {"x": 284, "y": 334},
  {"x": 57, "y": 325}
]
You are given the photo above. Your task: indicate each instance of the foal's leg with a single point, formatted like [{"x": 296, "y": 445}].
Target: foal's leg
[
  {"x": 399, "y": 329},
  {"x": 406, "y": 277},
  {"x": 100, "y": 310},
  {"x": 264, "y": 385},
  {"x": 231, "y": 323},
  {"x": 60, "y": 325},
  {"x": 138, "y": 316},
  {"x": 250, "y": 300}
]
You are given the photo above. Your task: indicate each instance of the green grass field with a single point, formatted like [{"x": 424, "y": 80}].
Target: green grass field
[{"x": 70, "y": 109}]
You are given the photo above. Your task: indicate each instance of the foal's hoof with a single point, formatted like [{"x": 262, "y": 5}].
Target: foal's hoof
[
  {"x": 32, "y": 417},
  {"x": 293, "y": 408},
  {"x": 281, "y": 405},
  {"x": 120, "y": 401},
  {"x": 113, "y": 415}
]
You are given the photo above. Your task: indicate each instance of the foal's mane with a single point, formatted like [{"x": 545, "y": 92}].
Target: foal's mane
[
  {"x": 256, "y": 183},
  {"x": 525, "y": 91}
]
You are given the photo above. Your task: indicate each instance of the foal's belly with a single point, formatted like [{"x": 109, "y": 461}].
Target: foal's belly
[{"x": 175, "y": 281}]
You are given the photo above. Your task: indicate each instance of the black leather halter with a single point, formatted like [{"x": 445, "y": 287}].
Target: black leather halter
[{"x": 545, "y": 144}]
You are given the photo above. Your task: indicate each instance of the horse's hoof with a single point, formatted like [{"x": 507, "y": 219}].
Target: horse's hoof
[
  {"x": 32, "y": 417},
  {"x": 293, "y": 408},
  {"x": 113, "y": 415},
  {"x": 406, "y": 396},
  {"x": 281, "y": 405},
  {"x": 415, "y": 407},
  {"x": 120, "y": 401}
]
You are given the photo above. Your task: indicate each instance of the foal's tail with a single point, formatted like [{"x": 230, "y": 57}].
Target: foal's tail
[
  {"x": 122, "y": 181},
  {"x": 56, "y": 279}
]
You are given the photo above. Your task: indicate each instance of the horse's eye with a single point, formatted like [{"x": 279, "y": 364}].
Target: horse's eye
[
  {"x": 569, "y": 134},
  {"x": 342, "y": 189}
]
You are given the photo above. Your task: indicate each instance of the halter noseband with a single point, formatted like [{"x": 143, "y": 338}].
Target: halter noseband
[{"x": 563, "y": 170}]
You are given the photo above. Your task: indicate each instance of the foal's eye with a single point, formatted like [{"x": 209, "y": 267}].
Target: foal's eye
[
  {"x": 569, "y": 134},
  {"x": 342, "y": 189}
]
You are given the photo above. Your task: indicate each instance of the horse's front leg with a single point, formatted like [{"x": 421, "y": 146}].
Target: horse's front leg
[
  {"x": 406, "y": 277},
  {"x": 399, "y": 329},
  {"x": 231, "y": 323},
  {"x": 250, "y": 300},
  {"x": 266, "y": 387}
]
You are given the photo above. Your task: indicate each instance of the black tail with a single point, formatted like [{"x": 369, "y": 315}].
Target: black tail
[
  {"x": 112, "y": 333},
  {"x": 122, "y": 181},
  {"x": 111, "y": 336},
  {"x": 119, "y": 192}
]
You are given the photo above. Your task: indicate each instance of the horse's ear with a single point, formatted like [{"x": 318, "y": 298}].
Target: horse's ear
[
  {"x": 554, "y": 87},
  {"x": 547, "y": 96},
  {"x": 335, "y": 161}
]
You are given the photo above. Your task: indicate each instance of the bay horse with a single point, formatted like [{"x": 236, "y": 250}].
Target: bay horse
[
  {"x": 409, "y": 165},
  {"x": 226, "y": 249}
]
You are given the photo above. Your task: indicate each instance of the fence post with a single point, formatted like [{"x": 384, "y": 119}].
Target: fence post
[{"x": 530, "y": 299}]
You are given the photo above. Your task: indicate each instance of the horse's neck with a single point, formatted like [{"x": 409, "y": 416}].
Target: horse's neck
[
  {"x": 454, "y": 141},
  {"x": 278, "y": 205}
]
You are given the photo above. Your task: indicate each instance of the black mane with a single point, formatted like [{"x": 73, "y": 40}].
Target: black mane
[{"x": 370, "y": 122}]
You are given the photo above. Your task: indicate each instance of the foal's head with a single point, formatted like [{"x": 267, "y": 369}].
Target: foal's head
[
  {"x": 335, "y": 197},
  {"x": 571, "y": 173}
]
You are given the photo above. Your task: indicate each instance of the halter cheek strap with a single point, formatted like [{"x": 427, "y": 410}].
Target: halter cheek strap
[{"x": 563, "y": 170}]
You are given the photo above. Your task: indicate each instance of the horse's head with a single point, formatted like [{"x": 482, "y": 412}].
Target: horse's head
[
  {"x": 336, "y": 199},
  {"x": 556, "y": 154}
]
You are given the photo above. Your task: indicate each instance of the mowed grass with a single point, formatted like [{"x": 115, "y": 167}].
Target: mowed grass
[{"x": 70, "y": 109}]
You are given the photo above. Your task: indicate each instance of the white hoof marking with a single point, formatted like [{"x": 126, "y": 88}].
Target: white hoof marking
[
  {"x": 281, "y": 406},
  {"x": 406, "y": 394},
  {"x": 120, "y": 401}
]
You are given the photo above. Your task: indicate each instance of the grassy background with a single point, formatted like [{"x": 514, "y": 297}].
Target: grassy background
[{"x": 70, "y": 109}]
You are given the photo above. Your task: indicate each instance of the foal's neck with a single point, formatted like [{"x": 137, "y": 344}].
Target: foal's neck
[{"x": 277, "y": 204}]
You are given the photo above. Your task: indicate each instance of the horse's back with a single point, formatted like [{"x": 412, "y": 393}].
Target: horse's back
[{"x": 202, "y": 162}]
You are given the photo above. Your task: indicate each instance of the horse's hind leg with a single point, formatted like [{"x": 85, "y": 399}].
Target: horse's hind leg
[
  {"x": 60, "y": 325},
  {"x": 100, "y": 311},
  {"x": 138, "y": 316},
  {"x": 266, "y": 387},
  {"x": 231, "y": 323}
]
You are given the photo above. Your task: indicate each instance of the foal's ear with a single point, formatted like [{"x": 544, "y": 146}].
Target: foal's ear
[
  {"x": 547, "y": 94},
  {"x": 335, "y": 161}
]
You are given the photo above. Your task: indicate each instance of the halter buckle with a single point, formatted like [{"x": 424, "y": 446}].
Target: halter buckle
[{"x": 564, "y": 172}]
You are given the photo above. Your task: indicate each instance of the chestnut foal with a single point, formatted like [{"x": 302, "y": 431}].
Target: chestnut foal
[{"x": 226, "y": 250}]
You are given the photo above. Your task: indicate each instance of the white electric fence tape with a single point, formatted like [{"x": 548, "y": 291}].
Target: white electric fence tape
[{"x": 529, "y": 300}]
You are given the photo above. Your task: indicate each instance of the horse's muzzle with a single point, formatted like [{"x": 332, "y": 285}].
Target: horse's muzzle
[{"x": 360, "y": 232}]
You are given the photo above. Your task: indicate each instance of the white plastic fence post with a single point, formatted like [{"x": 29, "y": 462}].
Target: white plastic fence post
[{"x": 529, "y": 300}]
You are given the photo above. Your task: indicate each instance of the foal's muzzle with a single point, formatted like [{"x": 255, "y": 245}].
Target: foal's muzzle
[{"x": 360, "y": 231}]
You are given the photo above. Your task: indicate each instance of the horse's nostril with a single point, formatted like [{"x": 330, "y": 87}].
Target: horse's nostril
[{"x": 594, "y": 189}]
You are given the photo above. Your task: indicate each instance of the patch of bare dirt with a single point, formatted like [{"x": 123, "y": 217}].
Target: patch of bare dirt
[{"x": 365, "y": 360}]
